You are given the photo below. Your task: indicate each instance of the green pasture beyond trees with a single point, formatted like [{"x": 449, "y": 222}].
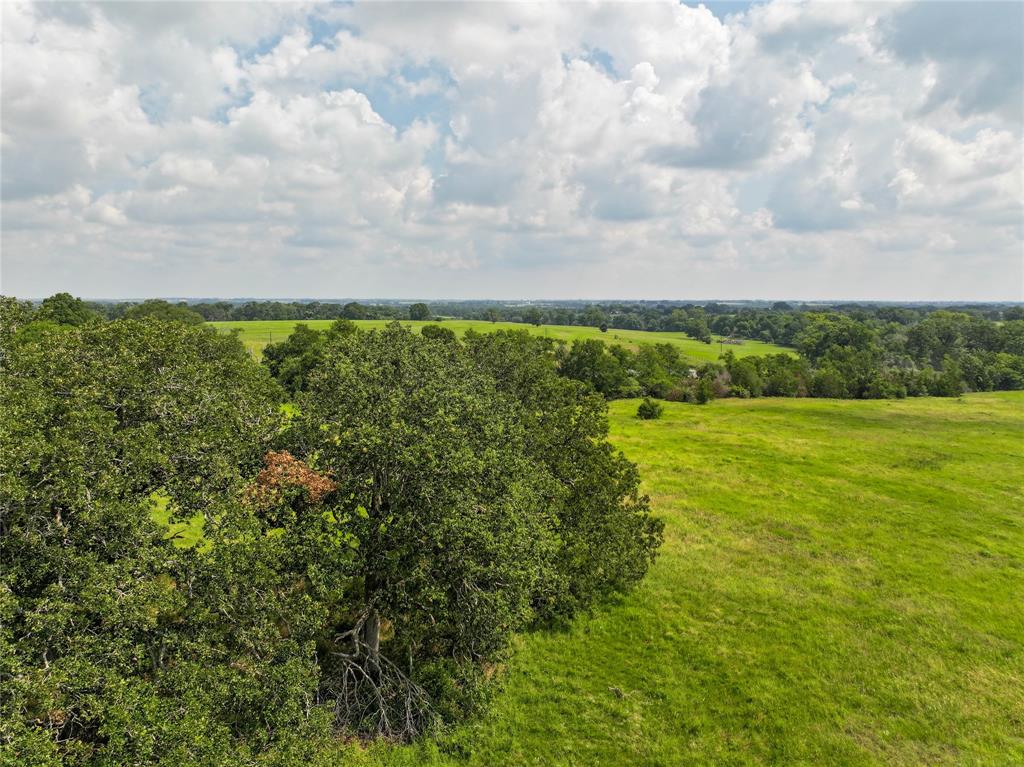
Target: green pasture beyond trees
[
  {"x": 257, "y": 334},
  {"x": 840, "y": 584}
]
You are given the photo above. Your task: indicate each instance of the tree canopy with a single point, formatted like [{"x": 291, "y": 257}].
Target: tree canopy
[
  {"x": 197, "y": 570},
  {"x": 163, "y": 310}
]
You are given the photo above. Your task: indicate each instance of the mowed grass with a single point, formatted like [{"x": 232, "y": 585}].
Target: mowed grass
[
  {"x": 258, "y": 333},
  {"x": 842, "y": 583}
]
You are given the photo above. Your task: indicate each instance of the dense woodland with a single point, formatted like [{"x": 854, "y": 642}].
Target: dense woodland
[{"x": 201, "y": 567}]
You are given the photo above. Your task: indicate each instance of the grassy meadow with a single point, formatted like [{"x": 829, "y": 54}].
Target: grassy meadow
[
  {"x": 841, "y": 584},
  {"x": 258, "y": 333}
]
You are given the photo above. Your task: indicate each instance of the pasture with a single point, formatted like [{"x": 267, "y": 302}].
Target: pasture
[
  {"x": 841, "y": 583},
  {"x": 257, "y": 334}
]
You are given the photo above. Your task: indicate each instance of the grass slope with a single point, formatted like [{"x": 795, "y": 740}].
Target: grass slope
[
  {"x": 841, "y": 583},
  {"x": 257, "y": 334}
]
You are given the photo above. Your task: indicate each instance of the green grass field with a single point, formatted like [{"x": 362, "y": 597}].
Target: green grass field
[
  {"x": 257, "y": 334},
  {"x": 842, "y": 583}
]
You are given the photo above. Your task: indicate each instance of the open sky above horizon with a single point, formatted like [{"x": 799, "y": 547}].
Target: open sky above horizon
[{"x": 445, "y": 150}]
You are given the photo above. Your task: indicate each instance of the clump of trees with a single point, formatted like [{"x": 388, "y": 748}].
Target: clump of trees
[
  {"x": 419, "y": 311},
  {"x": 212, "y": 561},
  {"x": 163, "y": 310},
  {"x": 944, "y": 355}
]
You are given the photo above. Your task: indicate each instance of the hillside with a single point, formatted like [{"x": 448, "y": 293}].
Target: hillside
[{"x": 257, "y": 334}]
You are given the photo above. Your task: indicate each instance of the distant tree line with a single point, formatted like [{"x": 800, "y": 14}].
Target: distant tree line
[{"x": 777, "y": 323}]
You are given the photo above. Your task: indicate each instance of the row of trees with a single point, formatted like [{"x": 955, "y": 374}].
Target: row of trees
[
  {"x": 66, "y": 309},
  {"x": 222, "y": 311},
  {"x": 944, "y": 354},
  {"x": 777, "y": 323},
  {"x": 202, "y": 566}
]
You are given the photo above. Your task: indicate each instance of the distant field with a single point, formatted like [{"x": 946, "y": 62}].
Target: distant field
[
  {"x": 257, "y": 334},
  {"x": 841, "y": 584}
]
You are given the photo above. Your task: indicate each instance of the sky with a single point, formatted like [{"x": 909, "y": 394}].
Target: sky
[{"x": 579, "y": 150}]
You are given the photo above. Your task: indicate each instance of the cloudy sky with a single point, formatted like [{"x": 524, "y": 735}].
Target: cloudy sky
[{"x": 641, "y": 150}]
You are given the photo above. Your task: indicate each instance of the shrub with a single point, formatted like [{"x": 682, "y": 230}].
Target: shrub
[
  {"x": 828, "y": 382},
  {"x": 649, "y": 409},
  {"x": 704, "y": 391},
  {"x": 438, "y": 333}
]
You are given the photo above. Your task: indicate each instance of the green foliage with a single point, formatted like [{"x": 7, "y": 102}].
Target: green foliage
[
  {"x": 828, "y": 382},
  {"x": 125, "y": 647},
  {"x": 828, "y": 332},
  {"x": 291, "y": 361},
  {"x": 14, "y": 314},
  {"x": 703, "y": 391},
  {"x": 948, "y": 383},
  {"x": 179, "y": 589},
  {"x": 419, "y": 312},
  {"x": 607, "y": 536},
  {"x": 592, "y": 362},
  {"x": 481, "y": 513},
  {"x": 692, "y": 321},
  {"x": 162, "y": 310},
  {"x": 438, "y": 333},
  {"x": 649, "y": 410},
  {"x": 355, "y": 311},
  {"x": 744, "y": 375},
  {"x": 849, "y": 356},
  {"x": 453, "y": 536},
  {"x": 657, "y": 368},
  {"x": 65, "y": 309}
]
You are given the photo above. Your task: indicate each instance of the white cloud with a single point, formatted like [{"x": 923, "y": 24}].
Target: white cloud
[{"x": 512, "y": 149}]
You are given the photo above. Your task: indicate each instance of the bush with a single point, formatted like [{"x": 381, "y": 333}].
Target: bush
[
  {"x": 704, "y": 391},
  {"x": 828, "y": 382},
  {"x": 649, "y": 409},
  {"x": 438, "y": 333}
]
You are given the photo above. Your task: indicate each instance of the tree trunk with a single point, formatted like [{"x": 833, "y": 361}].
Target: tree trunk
[{"x": 371, "y": 637}]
